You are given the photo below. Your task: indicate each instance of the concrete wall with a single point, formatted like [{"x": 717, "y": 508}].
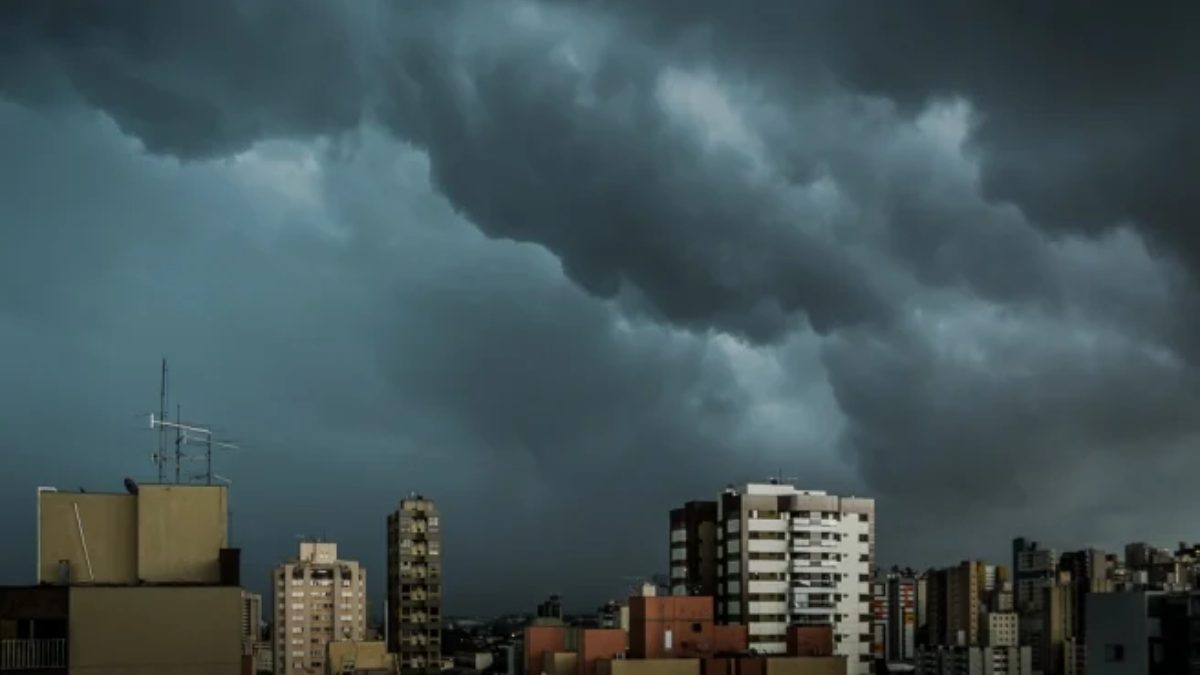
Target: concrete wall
[
  {"x": 366, "y": 655},
  {"x": 164, "y": 534},
  {"x": 155, "y": 631},
  {"x": 807, "y": 665},
  {"x": 649, "y": 667},
  {"x": 599, "y": 643},
  {"x": 181, "y": 530},
  {"x": 688, "y": 619},
  {"x": 1117, "y": 620},
  {"x": 559, "y": 663},
  {"x": 538, "y": 641},
  {"x": 810, "y": 640},
  {"x": 109, "y": 527}
]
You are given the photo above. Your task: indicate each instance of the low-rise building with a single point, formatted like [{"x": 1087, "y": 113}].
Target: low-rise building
[{"x": 134, "y": 583}]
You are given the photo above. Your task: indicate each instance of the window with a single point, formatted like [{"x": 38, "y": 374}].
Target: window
[
  {"x": 863, "y": 537},
  {"x": 696, "y": 627},
  {"x": 864, "y": 517},
  {"x": 1114, "y": 653}
]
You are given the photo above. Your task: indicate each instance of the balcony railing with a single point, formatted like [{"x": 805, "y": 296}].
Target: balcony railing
[{"x": 33, "y": 654}]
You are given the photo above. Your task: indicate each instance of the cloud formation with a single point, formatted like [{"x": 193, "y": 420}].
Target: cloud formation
[{"x": 577, "y": 262}]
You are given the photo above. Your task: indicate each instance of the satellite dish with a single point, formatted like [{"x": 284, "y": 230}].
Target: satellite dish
[{"x": 131, "y": 485}]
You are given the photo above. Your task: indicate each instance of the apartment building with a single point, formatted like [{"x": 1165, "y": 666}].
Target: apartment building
[
  {"x": 789, "y": 556},
  {"x": 319, "y": 598},
  {"x": 1001, "y": 629},
  {"x": 414, "y": 609},
  {"x": 1034, "y": 568},
  {"x": 694, "y": 549}
]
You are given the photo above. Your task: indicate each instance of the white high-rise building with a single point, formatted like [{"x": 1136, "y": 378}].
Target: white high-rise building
[{"x": 789, "y": 556}]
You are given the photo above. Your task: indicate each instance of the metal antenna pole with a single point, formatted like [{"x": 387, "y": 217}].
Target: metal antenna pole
[
  {"x": 162, "y": 412},
  {"x": 178, "y": 441},
  {"x": 208, "y": 459}
]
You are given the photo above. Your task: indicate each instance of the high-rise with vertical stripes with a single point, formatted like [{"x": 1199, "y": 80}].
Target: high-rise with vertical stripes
[
  {"x": 414, "y": 610},
  {"x": 787, "y": 556}
]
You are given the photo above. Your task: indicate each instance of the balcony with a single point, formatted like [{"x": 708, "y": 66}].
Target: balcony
[{"x": 46, "y": 654}]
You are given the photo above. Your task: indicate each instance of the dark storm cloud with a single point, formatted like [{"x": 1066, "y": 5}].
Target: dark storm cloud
[
  {"x": 949, "y": 237},
  {"x": 193, "y": 79},
  {"x": 1088, "y": 107}
]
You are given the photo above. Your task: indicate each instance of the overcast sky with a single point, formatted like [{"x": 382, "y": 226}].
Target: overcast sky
[{"x": 562, "y": 266}]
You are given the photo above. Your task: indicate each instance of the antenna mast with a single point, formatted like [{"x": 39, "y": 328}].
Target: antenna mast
[
  {"x": 185, "y": 434},
  {"x": 188, "y": 433},
  {"x": 178, "y": 439},
  {"x": 159, "y": 458}
]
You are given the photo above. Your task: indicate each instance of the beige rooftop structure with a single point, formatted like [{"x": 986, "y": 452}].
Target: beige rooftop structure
[
  {"x": 166, "y": 534},
  {"x": 133, "y": 583}
]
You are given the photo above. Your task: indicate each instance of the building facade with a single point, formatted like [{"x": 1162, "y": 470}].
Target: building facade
[
  {"x": 414, "y": 609},
  {"x": 902, "y": 592},
  {"x": 319, "y": 598},
  {"x": 974, "y": 661},
  {"x": 797, "y": 557},
  {"x": 693, "y": 549},
  {"x": 1033, "y": 569},
  {"x": 959, "y": 600}
]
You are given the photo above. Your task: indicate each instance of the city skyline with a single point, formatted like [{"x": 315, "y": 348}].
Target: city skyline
[{"x": 565, "y": 266}]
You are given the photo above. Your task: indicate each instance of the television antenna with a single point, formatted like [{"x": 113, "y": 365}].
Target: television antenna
[{"x": 193, "y": 435}]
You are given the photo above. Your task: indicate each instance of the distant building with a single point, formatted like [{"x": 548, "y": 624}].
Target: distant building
[
  {"x": 1090, "y": 571},
  {"x": 879, "y": 618},
  {"x": 797, "y": 557},
  {"x": 263, "y": 657},
  {"x": 902, "y": 592},
  {"x": 415, "y": 585},
  {"x": 959, "y": 600},
  {"x": 133, "y": 583},
  {"x": 974, "y": 661},
  {"x": 1047, "y": 626},
  {"x": 693, "y": 549},
  {"x": 1002, "y": 629},
  {"x": 1033, "y": 569},
  {"x": 319, "y": 598},
  {"x": 675, "y": 635},
  {"x": 551, "y": 609}
]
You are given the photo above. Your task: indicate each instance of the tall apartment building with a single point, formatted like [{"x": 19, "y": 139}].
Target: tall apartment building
[
  {"x": 694, "y": 549},
  {"x": 414, "y": 610},
  {"x": 1047, "y": 627},
  {"x": 1033, "y": 569},
  {"x": 319, "y": 598},
  {"x": 959, "y": 601},
  {"x": 251, "y": 616},
  {"x": 1090, "y": 572},
  {"x": 789, "y": 556},
  {"x": 901, "y": 642}
]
